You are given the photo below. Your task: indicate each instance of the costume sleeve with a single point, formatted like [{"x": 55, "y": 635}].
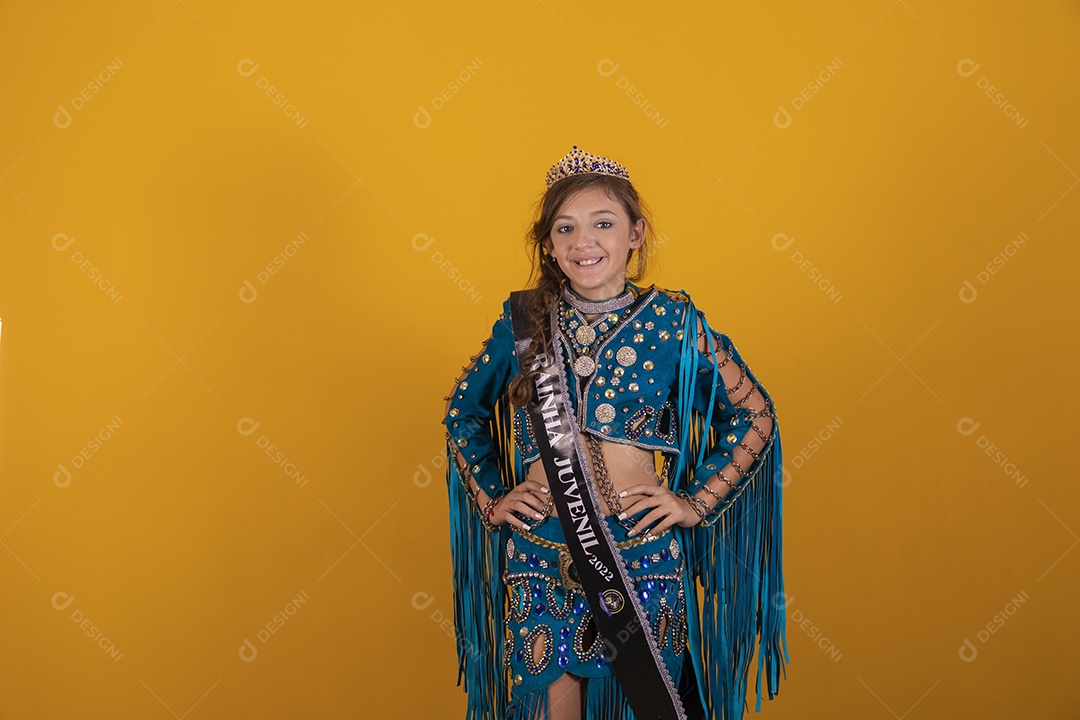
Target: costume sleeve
[
  {"x": 742, "y": 418},
  {"x": 479, "y": 447},
  {"x": 471, "y": 427},
  {"x": 736, "y": 553}
]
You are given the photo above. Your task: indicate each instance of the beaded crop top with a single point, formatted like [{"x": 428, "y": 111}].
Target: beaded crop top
[{"x": 624, "y": 372}]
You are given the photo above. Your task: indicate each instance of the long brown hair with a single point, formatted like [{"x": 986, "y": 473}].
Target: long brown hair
[{"x": 547, "y": 279}]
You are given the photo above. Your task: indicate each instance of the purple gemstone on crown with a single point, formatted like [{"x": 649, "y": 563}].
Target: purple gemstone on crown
[{"x": 578, "y": 161}]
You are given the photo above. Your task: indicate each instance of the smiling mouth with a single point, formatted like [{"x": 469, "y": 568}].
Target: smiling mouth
[{"x": 588, "y": 262}]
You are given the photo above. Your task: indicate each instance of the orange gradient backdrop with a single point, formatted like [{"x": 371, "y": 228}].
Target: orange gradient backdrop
[{"x": 246, "y": 248}]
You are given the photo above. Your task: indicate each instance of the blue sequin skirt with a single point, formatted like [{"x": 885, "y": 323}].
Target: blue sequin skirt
[{"x": 549, "y": 628}]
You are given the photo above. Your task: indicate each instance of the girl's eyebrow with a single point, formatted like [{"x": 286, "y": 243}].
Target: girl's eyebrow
[{"x": 594, "y": 212}]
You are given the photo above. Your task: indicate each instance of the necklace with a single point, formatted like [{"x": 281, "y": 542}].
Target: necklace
[
  {"x": 597, "y": 307},
  {"x": 582, "y": 335}
]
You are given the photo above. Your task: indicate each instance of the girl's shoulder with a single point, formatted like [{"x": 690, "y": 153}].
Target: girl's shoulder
[{"x": 679, "y": 297}]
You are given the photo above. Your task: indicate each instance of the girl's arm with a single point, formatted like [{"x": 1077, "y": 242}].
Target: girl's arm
[
  {"x": 743, "y": 421},
  {"x": 470, "y": 409}
]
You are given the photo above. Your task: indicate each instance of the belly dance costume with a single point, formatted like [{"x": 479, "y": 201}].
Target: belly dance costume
[{"x": 633, "y": 375}]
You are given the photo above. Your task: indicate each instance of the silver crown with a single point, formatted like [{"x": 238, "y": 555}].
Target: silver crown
[{"x": 578, "y": 161}]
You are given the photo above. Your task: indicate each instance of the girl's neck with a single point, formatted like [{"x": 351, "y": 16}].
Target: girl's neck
[
  {"x": 594, "y": 308},
  {"x": 599, "y": 294}
]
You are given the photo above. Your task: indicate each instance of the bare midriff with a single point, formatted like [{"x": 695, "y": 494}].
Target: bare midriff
[{"x": 626, "y": 466}]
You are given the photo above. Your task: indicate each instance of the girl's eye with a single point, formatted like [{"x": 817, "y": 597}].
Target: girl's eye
[
  {"x": 604, "y": 224},
  {"x": 563, "y": 228}
]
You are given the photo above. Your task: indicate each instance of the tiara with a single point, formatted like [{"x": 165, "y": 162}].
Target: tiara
[{"x": 578, "y": 161}]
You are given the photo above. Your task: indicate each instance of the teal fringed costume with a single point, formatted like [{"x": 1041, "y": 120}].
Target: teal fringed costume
[{"x": 652, "y": 388}]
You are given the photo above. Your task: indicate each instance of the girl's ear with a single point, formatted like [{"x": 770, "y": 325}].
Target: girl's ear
[{"x": 637, "y": 234}]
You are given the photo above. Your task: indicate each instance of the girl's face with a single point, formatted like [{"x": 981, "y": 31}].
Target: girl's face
[{"x": 591, "y": 241}]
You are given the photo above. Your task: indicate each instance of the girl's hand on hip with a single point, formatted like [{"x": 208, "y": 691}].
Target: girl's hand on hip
[
  {"x": 528, "y": 498},
  {"x": 666, "y": 509}
]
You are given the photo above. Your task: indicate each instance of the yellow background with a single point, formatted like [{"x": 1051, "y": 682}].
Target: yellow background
[{"x": 394, "y": 172}]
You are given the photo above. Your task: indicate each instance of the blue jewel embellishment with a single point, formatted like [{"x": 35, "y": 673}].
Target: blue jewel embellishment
[
  {"x": 645, "y": 595},
  {"x": 563, "y": 661},
  {"x": 663, "y": 586},
  {"x": 540, "y": 609},
  {"x": 600, "y": 662},
  {"x": 650, "y": 584},
  {"x": 562, "y": 648},
  {"x": 518, "y": 656},
  {"x": 533, "y": 560},
  {"x": 665, "y": 555},
  {"x": 564, "y": 633},
  {"x": 646, "y": 561}
]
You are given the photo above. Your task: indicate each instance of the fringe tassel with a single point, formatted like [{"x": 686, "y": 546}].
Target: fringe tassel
[
  {"x": 604, "y": 700},
  {"x": 533, "y": 706},
  {"x": 737, "y": 561},
  {"x": 479, "y": 595},
  {"x": 772, "y": 626}
]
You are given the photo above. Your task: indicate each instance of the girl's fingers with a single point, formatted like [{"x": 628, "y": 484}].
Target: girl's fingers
[
  {"x": 525, "y": 502},
  {"x": 648, "y": 521},
  {"x": 534, "y": 487},
  {"x": 529, "y": 504},
  {"x": 639, "y": 504},
  {"x": 665, "y": 523},
  {"x": 643, "y": 489},
  {"x": 665, "y": 508},
  {"x": 508, "y": 516},
  {"x": 533, "y": 508},
  {"x": 534, "y": 498}
]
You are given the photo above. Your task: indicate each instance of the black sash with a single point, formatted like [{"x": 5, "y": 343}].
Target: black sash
[{"x": 620, "y": 619}]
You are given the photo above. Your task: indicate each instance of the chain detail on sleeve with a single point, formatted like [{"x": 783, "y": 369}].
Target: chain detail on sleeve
[
  {"x": 700, "y": 508},
  {"x": 467, "y": 481},
  {"x": 742, "y": 379}
]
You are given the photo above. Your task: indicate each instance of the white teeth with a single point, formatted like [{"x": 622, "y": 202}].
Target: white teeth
[{"x": 588, "y": 262}]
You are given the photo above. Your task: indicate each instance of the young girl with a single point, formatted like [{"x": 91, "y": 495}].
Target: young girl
[{"x": 577, "y": 565}]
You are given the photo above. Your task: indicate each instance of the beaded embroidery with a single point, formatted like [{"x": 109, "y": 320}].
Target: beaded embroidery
[
  {"x": 638, "y": 423},
  {"x": 662, "y": 626},
  {"x": 540, "y": 632},
  {"x": 666, "y": 423}
]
